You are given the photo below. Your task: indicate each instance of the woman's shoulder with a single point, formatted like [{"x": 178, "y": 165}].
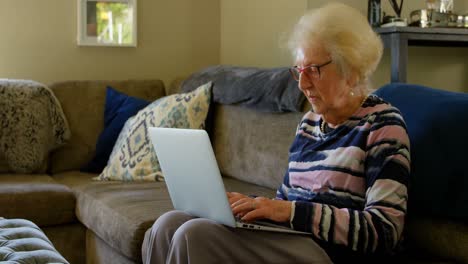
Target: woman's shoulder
[
  {"x": 381, "y": 112},
  {"x": 375, "y": 101},
  {"x": 374, "y": 105}
]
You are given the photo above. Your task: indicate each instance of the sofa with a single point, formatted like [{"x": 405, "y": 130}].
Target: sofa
[{"x": 92, "y": 221}]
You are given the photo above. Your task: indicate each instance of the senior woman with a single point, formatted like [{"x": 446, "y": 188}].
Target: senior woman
[{"x": 347, "y": 178}]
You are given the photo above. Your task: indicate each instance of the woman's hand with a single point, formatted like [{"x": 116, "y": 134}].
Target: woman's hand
[
  {"x": 235, "y": 196},
  {"x": 250, "y": 209}
]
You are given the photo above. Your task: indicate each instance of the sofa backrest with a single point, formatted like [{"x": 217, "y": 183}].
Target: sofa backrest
[
  {"x": 253, "y": 146},
  {"x": 83, "y": 104},
  {"x": 437, "y": 124}
]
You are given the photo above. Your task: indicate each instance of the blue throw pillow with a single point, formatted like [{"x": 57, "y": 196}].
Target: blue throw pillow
[
  {"x": 119, "y": 107},
  {"x": 437, "y": 122}
]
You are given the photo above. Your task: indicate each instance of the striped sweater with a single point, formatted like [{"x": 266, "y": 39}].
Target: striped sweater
[{"x": 349, "y": 186}]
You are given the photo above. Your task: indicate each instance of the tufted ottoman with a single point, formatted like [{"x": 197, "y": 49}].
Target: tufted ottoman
[{"x": 21, "y": 241}]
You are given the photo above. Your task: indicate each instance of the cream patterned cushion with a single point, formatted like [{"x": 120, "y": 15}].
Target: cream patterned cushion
[{"x": 133, "y": 157}]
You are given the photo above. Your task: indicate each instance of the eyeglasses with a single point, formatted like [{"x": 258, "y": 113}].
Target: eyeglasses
[{"x": 312, "y": 71}]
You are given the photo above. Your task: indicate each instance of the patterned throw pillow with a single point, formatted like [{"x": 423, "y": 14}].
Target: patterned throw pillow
[{"x": 133, "y": 157}]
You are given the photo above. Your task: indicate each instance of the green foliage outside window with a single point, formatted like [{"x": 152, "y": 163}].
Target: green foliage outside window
[{"x": 121, "y": 16}]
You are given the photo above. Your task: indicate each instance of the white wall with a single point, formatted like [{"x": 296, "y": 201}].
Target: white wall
[
  {"x": 175, "y": 38},
  {"x": 251, "y": 33}
]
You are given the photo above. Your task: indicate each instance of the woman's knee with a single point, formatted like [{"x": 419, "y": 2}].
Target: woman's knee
[
  {"x": 198, "y": 229},
  {"x": 167, "y": 224},
  {"x": 201, "y": 241},
  {"x": 171, "y": 219},
  {"x": 158, "y": 238}
]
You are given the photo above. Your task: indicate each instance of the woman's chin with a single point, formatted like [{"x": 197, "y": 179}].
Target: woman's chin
[{"x": 316, "y": 108}]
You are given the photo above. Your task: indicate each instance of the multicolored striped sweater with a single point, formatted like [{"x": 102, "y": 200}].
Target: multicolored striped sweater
[{"x": 350, "y": 184}]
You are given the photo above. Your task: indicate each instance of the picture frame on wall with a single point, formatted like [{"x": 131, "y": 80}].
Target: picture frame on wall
[{"x": 107, "y": 23}]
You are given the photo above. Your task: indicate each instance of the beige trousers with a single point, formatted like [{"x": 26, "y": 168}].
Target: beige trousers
[{"x": 177, "y": 237}]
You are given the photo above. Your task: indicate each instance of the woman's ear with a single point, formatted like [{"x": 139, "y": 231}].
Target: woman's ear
[{"x": 352, "y": 79}]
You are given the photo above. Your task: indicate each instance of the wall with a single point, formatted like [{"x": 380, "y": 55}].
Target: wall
[
  {"x": 175, "y": 38},
  {"x": 252, "y": 30}
]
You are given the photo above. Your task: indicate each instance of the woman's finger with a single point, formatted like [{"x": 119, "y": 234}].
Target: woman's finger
[
  {"x": 241, "y": 201},
  {"x": 243, "y": 205},
  {"x": 234, "y": 196}
]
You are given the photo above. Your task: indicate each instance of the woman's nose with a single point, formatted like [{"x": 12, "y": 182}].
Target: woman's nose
[{"x": 304, "y": 82}]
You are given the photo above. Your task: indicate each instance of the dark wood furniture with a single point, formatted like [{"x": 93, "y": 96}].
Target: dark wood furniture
[{"x": 397, "y": 39}]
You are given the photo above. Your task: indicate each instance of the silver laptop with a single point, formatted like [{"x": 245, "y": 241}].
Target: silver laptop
[{"x": 193, "y": 178}]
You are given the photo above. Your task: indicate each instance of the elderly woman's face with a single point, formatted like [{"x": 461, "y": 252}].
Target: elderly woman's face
[{"x": 324, "y": 86}]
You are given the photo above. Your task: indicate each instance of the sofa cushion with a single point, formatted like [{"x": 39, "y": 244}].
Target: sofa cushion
[
  {"x": 119, "y": 107},
  {"x": 37, "y": 198},
  {"x": 437, "y": 123},
  {"x": 120, "y": 212},
  {"x": 83, "y": 104},
  {"x": 133, "y": 157},
  {"x": 444, "y": 239},
  {"x": 253, "y": 146}
]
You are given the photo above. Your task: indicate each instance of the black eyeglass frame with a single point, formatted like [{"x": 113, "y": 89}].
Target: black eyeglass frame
[{"x": 296, "y": 71}]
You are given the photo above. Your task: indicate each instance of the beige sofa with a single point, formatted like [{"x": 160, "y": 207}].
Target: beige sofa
[{"x": 104, "y": 222}]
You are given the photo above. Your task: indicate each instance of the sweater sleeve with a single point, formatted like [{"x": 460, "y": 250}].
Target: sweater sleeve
[
  {"x": 379, "y": 225},
  {"x": 281, "y": 192}
]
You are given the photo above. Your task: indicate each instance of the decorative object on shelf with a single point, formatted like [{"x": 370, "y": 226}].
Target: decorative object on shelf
[
  {"x": 446, "y": 6},
  {"x": 438, "y": 13},
  {"x": 374, "y": 11},
  {"x": 442, "y": 6},
  {"x": 428, "y": 18},
  {"x": 396, "y": 20},
  {"x": 107, "y": 23},
  {"x": 463, "y": 20},
  {"x": 397, "y": 8},
  {"x": 433, "y": 18},
  {"x": 433, "y": 4}
]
